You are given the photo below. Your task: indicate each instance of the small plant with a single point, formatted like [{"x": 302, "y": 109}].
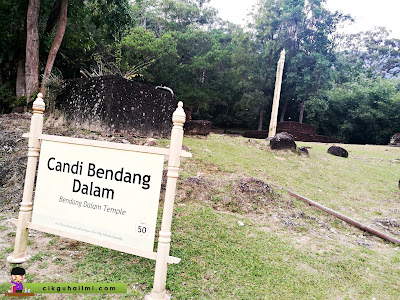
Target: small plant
[
  {"x": 54, "y": 87},
  {"x": 53, "y": 241}
]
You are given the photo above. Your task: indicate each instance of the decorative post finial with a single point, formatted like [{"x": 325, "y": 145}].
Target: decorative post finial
[
  {"x": 179, "y": 116},
  {"x": 39, "y": 105}
]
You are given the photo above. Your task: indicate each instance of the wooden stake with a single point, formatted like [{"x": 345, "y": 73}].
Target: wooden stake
[
  {"x": 160, "y": 275},
  {"x": 277, "y": 95},
  {"x": 21, "y": 239}
]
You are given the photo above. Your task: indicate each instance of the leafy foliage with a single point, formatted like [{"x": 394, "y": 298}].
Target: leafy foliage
[
  {"x": 364, "y": 111},
  {"x": 374, "y": 52},
  {"x": 347, "y": 86}
]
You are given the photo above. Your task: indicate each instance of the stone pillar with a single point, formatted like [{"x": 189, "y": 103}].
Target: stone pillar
[{"x": 277, "y": 94}]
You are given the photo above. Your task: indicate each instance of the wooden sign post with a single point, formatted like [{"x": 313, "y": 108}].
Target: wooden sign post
[
  {"x": 101, "y": 193},
  {"x": 21, "y": 238},
  {"x": 164, "y": 240},
  {"x": 277, "y": 95}
]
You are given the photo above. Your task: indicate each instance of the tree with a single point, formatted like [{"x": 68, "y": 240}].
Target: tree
[
  {"x": 141, "y": 48},
  {"x": 303, "y": 28},
  {"x": 62, "y": 4},
  {"x": 364, "y": 111},
  {"x": 32, "y": 49},
  {"x": 373, "y": 52},
  {"x": 250, "y": 70}
]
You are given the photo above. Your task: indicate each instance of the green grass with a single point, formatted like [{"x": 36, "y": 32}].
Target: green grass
[
  {"x": 367, "y": 175},
  {"x": 222, "y": 260},
  {"x": 316, "y": 257}
]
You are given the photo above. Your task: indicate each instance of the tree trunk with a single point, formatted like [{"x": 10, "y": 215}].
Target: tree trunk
[
  {"x": 1, "y": 83},
  {"x": 20, "y": 82},
  {"x": 32, "y": 49},
  {"x": 302, "y": 107},
  {"x": 283, "y": 111},
  {"x": 260, "y": 121},
  {"x": 53, "y": 17},
  {"x": 62, "y": 23}
]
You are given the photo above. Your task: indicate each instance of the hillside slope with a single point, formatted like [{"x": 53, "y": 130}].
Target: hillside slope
[{"x": 238, "y": 237}]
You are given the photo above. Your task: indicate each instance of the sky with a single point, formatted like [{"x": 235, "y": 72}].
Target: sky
[{"x": 368, "y": 13}]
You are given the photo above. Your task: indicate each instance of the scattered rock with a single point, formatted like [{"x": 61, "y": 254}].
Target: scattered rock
[
  {"x": 150, "y": 142},
  {"x": 196, "y": 180},
  {"x": 304, "y": 150},
  {"x": 240, "y": 223},
  {"x": 395, "y": 140},
  {"x": 282, "y": 141},
  {"x": 254, "y": 185},
  {"x": 338, "y": 151},
  {"x": 363, "y": 243},
  {"x": 387, "y": 223}
]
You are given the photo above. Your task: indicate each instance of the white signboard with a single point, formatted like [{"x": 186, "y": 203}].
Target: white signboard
[{"x": 108, "y": 194}]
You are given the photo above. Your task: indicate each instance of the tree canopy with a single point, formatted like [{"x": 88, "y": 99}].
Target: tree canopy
[{"x": 346, "y": 85}]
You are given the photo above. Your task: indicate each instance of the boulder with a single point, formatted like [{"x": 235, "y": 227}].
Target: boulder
[
  {"x": 198, "y": 127},
  {"x": 338, "y": 151},
  {"x": 303, "y": 150},
  {"x": 282, "y": 141},
  {"x": 395, "y": 140}
]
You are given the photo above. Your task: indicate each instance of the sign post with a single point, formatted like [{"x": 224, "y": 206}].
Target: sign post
[
  {"x": 113, "y": 187},
  {"x": 21, "y": 238},
  {"x": 160, "y": 276},
  {"x": 277, "y": 95}
]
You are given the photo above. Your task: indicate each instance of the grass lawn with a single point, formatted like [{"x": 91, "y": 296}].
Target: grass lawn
[{"x": 240, "y": 239}]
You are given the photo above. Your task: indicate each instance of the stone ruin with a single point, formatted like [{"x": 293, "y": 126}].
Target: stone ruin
[
  {"x": 201, "y": 127},
  {"x": 395, "y": 140},
  {"x": 114, "y": 104},
  {"x": 299, "y": 131}
]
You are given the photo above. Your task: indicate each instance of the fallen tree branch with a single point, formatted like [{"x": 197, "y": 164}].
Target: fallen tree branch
[{"x": 341, "y": 216}]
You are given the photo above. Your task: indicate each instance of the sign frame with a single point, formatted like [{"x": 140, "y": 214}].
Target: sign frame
[{"x": 174, "y": 153}]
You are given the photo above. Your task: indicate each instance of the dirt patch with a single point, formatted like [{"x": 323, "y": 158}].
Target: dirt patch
[
  {"x": 238, "y": 195},
  {"x": 13, "y": 150},
  {"x": 390, "y": 225}
]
